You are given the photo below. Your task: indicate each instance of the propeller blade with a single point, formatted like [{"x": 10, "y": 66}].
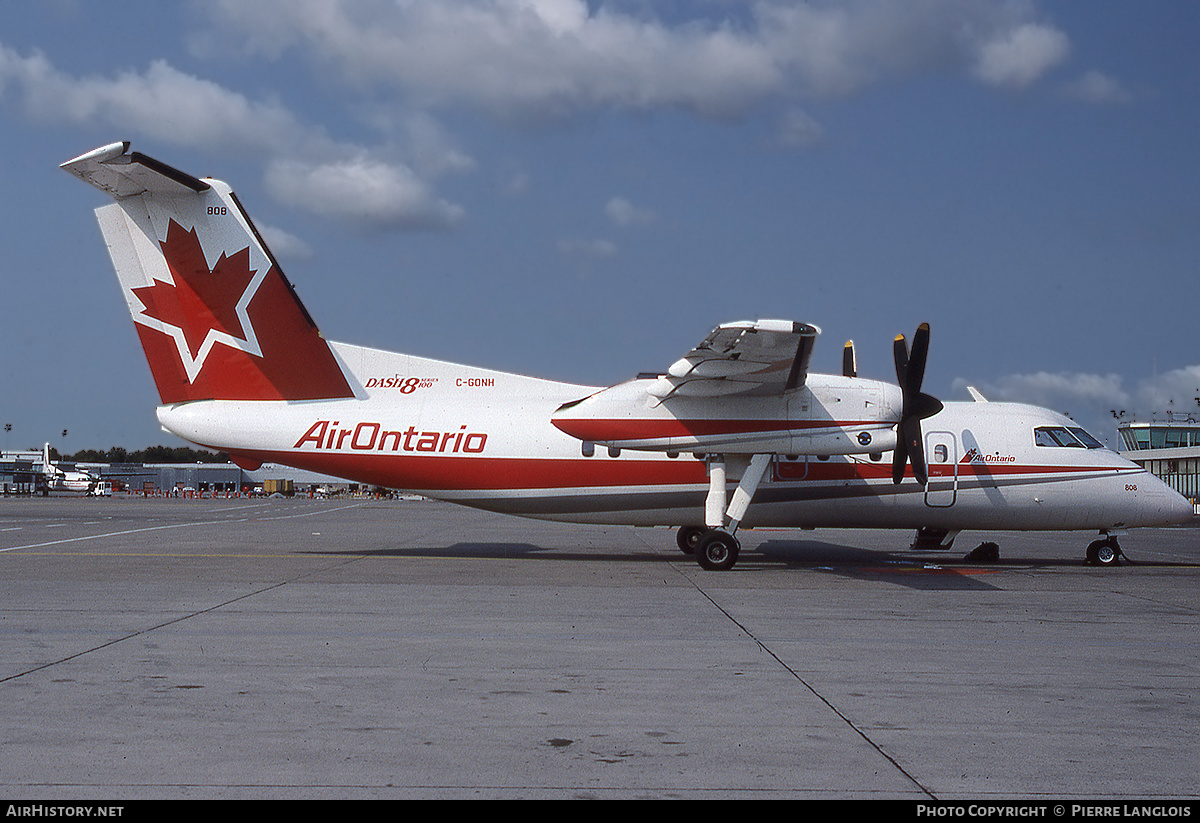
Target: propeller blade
[
  {"x": 910, "y": 373},
  {"x": 900, "y": 455},
  {"x": 849, "y": 361},
  {"x": 914, "y": 443},
  {"x": 916, "y": 362},
  {"x": 900, "y": 349},
  {"x": 899, "y": 459}
]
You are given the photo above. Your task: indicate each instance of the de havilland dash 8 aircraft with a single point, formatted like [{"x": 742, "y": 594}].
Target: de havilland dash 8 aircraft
[
  {"x": 736, "y": 434},
  {"x": 58, "y": 479}
]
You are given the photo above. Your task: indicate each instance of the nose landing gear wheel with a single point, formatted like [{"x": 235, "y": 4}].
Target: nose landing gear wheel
[
  {"x": 717, "y": 551},
  {"x": 1104, "y": 553}
]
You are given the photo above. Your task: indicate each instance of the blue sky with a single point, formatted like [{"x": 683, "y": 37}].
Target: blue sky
[{"x": 580, "y": 191}]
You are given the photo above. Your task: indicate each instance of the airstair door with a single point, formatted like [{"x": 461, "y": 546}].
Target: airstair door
[{"x": 941, "y": 455}]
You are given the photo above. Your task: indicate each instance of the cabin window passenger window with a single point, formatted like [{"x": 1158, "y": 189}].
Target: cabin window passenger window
[{"x": 1055, "y": 436}]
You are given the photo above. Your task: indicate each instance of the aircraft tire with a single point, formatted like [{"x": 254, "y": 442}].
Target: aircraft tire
[
  {"x": 1104, "y": 553},
  {"x": 688, "y": 537},
  {"x": 717, "y": 551}
]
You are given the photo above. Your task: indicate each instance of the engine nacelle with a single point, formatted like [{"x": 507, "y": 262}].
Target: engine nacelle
[{"x": 829, "y": 416}]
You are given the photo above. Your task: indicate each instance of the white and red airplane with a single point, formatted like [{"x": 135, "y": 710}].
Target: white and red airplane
[
  {"x": 737, "y": 433},
  {"x": 58, "y": 479}
]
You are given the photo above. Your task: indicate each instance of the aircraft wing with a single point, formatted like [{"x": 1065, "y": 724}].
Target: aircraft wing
[{"x": 760, "y": 357}]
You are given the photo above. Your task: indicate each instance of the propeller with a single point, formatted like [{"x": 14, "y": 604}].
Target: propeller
[
  {"x": 849, "y": 362},
  {"x": 910, "y": 372}
]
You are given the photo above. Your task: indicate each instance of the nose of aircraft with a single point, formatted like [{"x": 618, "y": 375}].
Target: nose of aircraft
[
  {"x": 1183, "y": 510},
  {"x": 1166, "y": 505}
]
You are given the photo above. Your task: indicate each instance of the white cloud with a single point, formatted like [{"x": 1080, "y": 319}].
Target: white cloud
[
  {"x": 161, "y": 102},
  {"x": 1095, "y": 400},
  {"x": 285, "y": 245},
  {"x": 431, "y": 147},
  {"x": 593, "y": 249},
  {"x": 799, "y": 130},
  {"x": 549, "y": 57},
  {"x": 1176, "y": 390},
  {"x": 360, "y": 189},
  {"x": 525, "y": 57},
  {"x": 540, "y": 58},
  {"x": 1017, "y": 57},
  {"x": 1061, "y": 391},
  {"x": 1097, "y": 87},
  {"x": 306, "y": 169},
  {"x": 515, "y": 183},
  {"x": 624, "y": 213},
  {"x": 1089, "y": 399}
]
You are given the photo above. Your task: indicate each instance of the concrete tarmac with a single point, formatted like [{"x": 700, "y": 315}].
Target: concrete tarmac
[{"x": 411, "y": 649}]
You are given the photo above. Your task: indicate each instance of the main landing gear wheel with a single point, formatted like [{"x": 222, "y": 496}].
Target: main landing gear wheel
[
  {"x": 688, "y": 537},
  {"x": 1104, "y": 552},
  {"x": 717, "y": 551}
]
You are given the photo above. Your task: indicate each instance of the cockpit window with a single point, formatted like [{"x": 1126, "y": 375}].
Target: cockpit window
[
  {"x": 1055, "y": 436},
  {"x": 1087, "y": 439}
]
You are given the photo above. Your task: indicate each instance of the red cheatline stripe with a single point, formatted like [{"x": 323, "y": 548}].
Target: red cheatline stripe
[{"x": 480, "y": 473}]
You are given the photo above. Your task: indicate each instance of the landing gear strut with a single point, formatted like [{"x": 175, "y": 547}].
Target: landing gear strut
[{"x": 714, "y": 545}]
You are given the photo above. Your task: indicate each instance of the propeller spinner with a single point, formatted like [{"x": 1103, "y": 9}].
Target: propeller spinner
[{"x": 910, "y": 372}]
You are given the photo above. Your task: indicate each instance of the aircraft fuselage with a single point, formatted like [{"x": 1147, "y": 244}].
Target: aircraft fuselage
[{"x": 487, "y": 439}]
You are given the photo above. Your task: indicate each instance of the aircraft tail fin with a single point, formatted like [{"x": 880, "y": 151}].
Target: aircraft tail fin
[{"x": 215, "y": 315}]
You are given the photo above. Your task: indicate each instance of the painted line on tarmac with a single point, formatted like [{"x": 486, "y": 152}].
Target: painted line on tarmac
[{"x": 156, "y": 528}]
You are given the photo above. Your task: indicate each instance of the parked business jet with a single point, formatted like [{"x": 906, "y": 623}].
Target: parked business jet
[
  {"x": 58, "y": 479},
  {"x": 735, "y": 434}
]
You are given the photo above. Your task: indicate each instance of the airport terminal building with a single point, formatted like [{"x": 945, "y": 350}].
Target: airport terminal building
[
  {"x": 214, "y": 478},
  {"x": 21, "y": 473}
]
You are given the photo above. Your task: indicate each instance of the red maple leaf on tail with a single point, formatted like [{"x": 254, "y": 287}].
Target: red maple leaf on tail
[
  {"x": 277, "y": 355},
  {"x": 201, "y": 300}
]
